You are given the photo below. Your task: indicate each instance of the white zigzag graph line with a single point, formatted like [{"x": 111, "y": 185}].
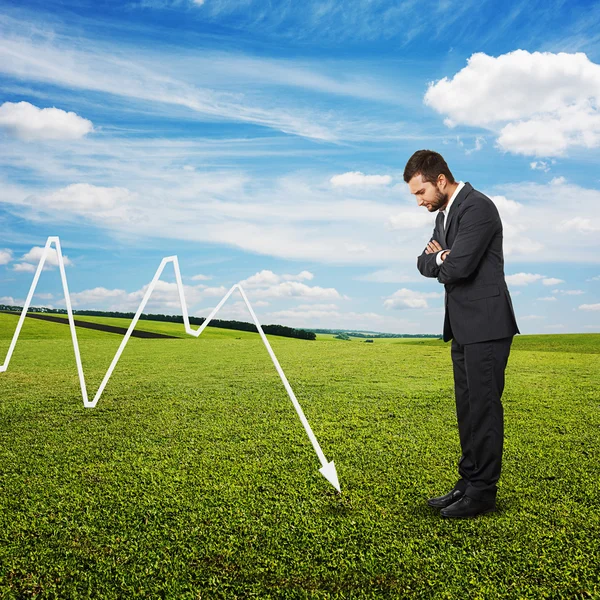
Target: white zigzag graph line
[{"x": 327, "y": 469}]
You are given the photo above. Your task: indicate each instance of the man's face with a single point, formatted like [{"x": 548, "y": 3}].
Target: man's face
[{"x": 427, "y": 194}]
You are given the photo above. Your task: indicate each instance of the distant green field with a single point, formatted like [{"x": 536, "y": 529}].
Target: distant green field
[
  {"x": 193, "y": 477},
  {"x": 586, "y": 343},
  {"x": 331, "y": 336}
]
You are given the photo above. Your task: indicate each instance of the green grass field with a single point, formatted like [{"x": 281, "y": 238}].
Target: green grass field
[{"x": 193, "y": 477}]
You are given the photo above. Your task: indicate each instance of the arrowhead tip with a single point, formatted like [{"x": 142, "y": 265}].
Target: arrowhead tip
[{"x": 329, "y": 472}]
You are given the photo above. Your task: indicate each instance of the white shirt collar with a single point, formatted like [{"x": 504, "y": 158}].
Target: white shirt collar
[{"x": 461, "y": 185}]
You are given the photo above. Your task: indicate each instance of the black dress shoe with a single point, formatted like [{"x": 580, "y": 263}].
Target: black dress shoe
[
  {"x": 468, "y": 507},
  {"x": 447, "y": 500}
]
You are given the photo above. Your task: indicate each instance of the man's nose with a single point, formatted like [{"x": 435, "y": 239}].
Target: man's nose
[{"x": 419, "y": 201}]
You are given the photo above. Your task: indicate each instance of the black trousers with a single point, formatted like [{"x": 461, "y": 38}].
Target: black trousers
[{"x": 478, "y": 386}]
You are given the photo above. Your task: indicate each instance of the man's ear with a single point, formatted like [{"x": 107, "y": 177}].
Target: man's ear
[{"x": 442, "y": 182}]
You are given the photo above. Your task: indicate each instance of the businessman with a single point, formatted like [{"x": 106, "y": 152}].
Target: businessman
[{"x": 465, "y": 254}]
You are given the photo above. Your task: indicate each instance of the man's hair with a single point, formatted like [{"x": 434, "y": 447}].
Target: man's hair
[{"x": 429, "y": 165}]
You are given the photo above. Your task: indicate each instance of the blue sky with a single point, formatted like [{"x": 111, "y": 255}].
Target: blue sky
[{"x": 264, "y": 143}]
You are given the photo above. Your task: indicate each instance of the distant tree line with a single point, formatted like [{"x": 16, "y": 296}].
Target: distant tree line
[
  {"x": 374, "y": 334},
  {"x": 281, "y": 330}
]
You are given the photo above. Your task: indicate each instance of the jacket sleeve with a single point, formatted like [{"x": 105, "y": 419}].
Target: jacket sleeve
[
  {"x": 426, "y": 262},
  {"x": 478, "y": 223}
]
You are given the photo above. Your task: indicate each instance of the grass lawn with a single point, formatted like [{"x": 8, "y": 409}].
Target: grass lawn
[{"x": 193, "y": 477}]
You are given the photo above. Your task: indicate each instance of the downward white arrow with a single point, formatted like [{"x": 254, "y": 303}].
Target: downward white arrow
[{"x": 327, "y": 468}]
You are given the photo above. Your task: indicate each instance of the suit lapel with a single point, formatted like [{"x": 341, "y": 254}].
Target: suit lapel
[{"x": 467, "y": 189}]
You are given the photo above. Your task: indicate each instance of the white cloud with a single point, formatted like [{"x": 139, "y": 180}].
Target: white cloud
[
  {"x": 523, "y": 278},
  {"x": 10, "y": 301},
  {"x": 532, "y": 318},
  {"x": 353, "y": 178},
  {"x": 24, "y": 268},
  {"x": 303, "y": 276},
  {"x": 211, "y": 292},
  {"x": 354, "y": 248},
  {"x": 5, "y": 256},
  {"x": 261, "y": 279},
  {"x": 557, "y": 219},
  {"x": 558, "y": 181},
  {"x": 521, "y": 245},
  {"x": 317, "y": 307},
  {"x": 28, "y": 122},
  {"x": 479, "y": 142},
  {"x": 552, "y": 281},
  {"x": 516, "y": 221},
  {"x": 540, "y": 166},
  {"x": 596, "y": 278},
  {"x": 165, "y": 297},
  {"x": 44, "y": 296},
  {"x": 82, "y": 197},
  {"x": 405, "y": 299},
  {"x": 409, "y": 220},
  {"x": 294, "y": 289},
  {"x": 579, "y": 224},
  {"x": 98, "y": 298},
  {"x": 506, "y": 207},
  {"x": 201, "y": 277},
  {"x": 552, "y": 105},
  {"x": 569, "y": 292},
  {"x": 268, "y": 278},
  {"x": 590, "y": 307},
  {"x": 35, "y": 255},
  {"x": 266, "y": 284},
  {"x": 308, "y": 312},
  {"x": 548, "y": 299},
  {"x": 105, "y": 204},
  {"x": 389, "y": 276}
]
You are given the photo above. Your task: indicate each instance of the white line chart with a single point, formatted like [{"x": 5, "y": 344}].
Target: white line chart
[{"x": 327, "y": 469}]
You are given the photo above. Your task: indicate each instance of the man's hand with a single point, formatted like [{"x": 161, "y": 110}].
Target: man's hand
[
  {"x": 444, "y": 255},
  {"x": 433, "y": 247}
]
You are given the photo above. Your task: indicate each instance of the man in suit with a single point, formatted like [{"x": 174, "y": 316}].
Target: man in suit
[{"x": 465, "y": 254}]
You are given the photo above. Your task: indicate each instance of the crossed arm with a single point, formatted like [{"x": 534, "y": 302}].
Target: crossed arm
[
  {"x": 426, "y": 263},
  {"x": 478, "y": 224}
]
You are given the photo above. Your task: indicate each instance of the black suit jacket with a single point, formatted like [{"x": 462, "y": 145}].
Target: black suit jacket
[{"x": 477, "y": 302}]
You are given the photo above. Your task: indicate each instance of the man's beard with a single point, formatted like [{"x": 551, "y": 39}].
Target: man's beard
[{"x": 440, "y": 200}]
